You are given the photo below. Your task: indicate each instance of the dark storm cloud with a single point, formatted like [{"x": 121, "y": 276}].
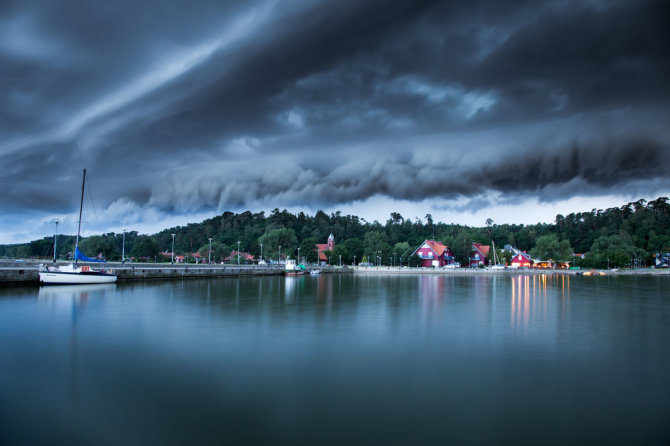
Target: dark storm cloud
[
  {"x": 547, "y": 172},
  {"x": 185, "y": 105}
]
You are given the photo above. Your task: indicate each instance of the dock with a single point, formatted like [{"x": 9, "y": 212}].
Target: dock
[{"x": 25, "y": 273}]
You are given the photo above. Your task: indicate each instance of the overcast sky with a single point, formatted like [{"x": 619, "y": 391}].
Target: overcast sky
[{"x": 179, "y": 111}]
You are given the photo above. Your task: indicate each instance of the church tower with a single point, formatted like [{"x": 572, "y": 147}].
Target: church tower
[{"x": 331, "y": 242}]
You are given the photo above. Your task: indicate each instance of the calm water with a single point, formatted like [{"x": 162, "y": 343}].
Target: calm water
[{"x": 338, "y": 360}]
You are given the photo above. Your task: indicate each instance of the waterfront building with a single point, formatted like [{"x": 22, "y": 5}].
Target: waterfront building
[
  {"x": 521, "y": 260},
  {"x": 168, "y": 255},
  {"x": 244, "y": 256},
  {"x": 321, "y": 247},
  {"x": 479, "y": 255},
  {"x": 434, "y": 254}
]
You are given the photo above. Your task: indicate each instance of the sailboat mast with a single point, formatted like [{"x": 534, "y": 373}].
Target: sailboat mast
[{"x": 81, "y": 206}]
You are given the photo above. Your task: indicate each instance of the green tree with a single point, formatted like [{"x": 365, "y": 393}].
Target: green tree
[
  {"x": 619, "y": 249},
  {"x": 145, "y": 247},
  {"x": 341, "y": 250},
  {"x": 101, "y": 244},
  {"x": 402, "y": 251},
  {"x": 274, "y": 238},
  {"x": 219, "y": 250},
  {"x": 355, "y": 248},
  {"x": 376, "y": 245},
  {"x": 308, "y": 250},
  {"x": 462, "y": 246},
  {"x": 548, "y": 247}
]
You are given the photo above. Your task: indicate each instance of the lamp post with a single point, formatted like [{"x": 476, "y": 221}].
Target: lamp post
[
  {"x": 238, "y": 253},
  {"x": 354, "y": 261},
  {"x": 298, "y": 255},
  {"x": 393, "y": 259},
  {"x": 340, "y": 261},
  {"x": 261, "y": 252},
  {"x": 123, "y": 247},
  {"x": 608, "y": 264},
  {"x": 55, "y": 235},
  {"x": 279, "y": 256},
  {"x": 209, "y": 260},
  {"x": 173, "y": 248}
]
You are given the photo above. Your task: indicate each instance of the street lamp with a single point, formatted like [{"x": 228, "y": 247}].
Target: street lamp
[
  {"x": 354, "y": 261},
  {"x": 340, "y": 261},
  {"x": 298, "y": 255},
  {"x": 393, "y": 259},
  {"x": 608, "y": 264},
  {"x": 55, "y": 235},
  {"x": 209, "y": 261},
  {"x": 238, "y": 253},
  {"x": 261, "y": 252},
  {"x": 279, "y": 256},
  {"x": 123, "y": 247},
  {"x": 173, "y": 248}
]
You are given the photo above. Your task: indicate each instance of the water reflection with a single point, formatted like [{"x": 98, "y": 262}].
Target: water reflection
[
  {"x": 531, "y": 298},
  {"x": 70, "y": 302},
  {"x": 338, "y": 359}
]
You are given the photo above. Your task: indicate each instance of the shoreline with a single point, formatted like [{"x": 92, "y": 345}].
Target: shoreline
[
  {"x": 25, "y": 273},
  {"x": 506, "y": 272}
]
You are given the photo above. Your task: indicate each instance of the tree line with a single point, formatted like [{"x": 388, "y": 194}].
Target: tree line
[{"x": 618, "y": 236}]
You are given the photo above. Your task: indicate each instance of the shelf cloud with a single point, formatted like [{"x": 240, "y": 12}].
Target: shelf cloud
[{"x": 192, "y": 108}]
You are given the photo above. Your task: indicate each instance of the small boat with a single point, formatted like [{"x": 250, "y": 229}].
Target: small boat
[
  {"x": 292, "y": 269},
  {"x": 73, "y": 274},
  {"x": 594, "y": 273},
  {"x": 315, "y": 272}
]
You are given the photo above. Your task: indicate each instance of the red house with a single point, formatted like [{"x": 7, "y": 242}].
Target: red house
[
  {"x": 521, "y": 260},
  {"x": 244, "y": 256},
  {"x": 479, "y": 255},
  {"x": 434, "y": 254},
  {"x": 321, "y": 247}
]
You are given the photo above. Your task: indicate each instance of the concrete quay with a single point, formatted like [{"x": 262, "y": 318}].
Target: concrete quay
[{"x": 25, "y": 273}]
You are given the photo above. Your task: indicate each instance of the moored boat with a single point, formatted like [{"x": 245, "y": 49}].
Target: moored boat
[
  {"x": 73, "y": 274},
  {"x": 292, "y": 269}
]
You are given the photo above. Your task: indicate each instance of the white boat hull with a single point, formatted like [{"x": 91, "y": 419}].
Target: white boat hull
[{"x": 74, "y": 278}]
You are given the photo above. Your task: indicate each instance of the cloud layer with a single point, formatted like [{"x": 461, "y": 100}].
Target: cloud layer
[{"x": 189, "y": 107}]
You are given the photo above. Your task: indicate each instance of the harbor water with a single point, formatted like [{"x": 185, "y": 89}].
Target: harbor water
[{"x": 338, "y": 359}]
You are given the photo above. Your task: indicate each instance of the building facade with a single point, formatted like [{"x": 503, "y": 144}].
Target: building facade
[
  {"x": 479, "y": 255},
  {"x": 434, "y": 254},
  {"x": 521, "y": 260},
  {"x": 321, "y": 247}
]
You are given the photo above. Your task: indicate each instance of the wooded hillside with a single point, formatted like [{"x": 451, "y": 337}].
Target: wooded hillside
[{"x": 636, "y": 230}]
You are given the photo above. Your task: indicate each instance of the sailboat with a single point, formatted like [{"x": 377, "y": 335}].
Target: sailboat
[
  {"x": 74, "y": 274},
  {"x": 496, "y": 265}
]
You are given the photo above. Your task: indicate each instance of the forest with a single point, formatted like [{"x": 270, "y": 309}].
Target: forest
[{"x": 618, "y": 237}]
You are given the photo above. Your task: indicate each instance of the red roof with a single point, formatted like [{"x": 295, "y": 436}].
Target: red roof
[
  {"x": 438, "y": 247},
  {"x": 243, "y": 255},
  {"x": 320, "y": 247},
  {"x": 483, "y": 249}
]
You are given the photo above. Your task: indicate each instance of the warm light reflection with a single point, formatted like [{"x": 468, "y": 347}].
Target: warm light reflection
[{"x": 529, "y": 300}]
